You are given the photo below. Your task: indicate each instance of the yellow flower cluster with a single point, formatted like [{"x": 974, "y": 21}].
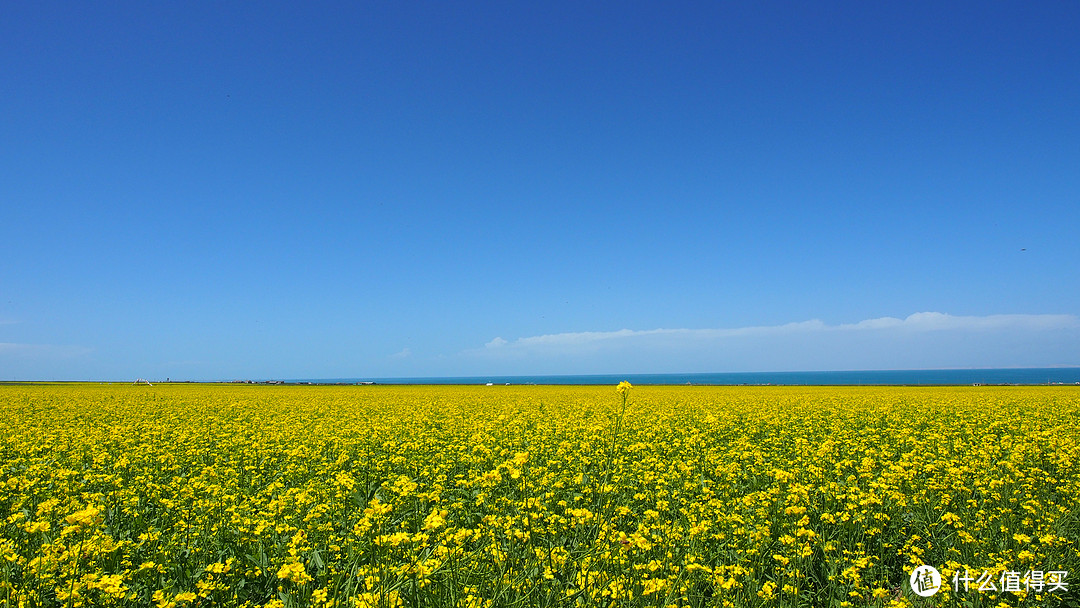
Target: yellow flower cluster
[{"x": 231, "y": 495}]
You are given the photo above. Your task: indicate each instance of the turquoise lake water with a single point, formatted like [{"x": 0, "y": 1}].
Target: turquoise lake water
[{"x": 1062, "y": 375}]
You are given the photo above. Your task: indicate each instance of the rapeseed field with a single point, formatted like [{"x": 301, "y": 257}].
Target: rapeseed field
[{"x": 177, "y": 496}]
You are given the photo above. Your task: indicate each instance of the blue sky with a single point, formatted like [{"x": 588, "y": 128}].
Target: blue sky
[{"x": 317, "y": 190}]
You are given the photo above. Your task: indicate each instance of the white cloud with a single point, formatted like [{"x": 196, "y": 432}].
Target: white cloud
[
  {"x": 923, "y": 339},
  {"x": 935, "y": 321},
  {"x": 402, "y": 354},
  {"x": 920, "y": 321},
  {"x": 591, "y": 337}
]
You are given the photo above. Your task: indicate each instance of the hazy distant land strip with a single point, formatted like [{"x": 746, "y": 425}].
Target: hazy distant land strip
[{"x": 1054, "y": 375}]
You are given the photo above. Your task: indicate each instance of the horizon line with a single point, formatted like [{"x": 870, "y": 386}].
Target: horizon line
[{"x": 390, "y": 379}]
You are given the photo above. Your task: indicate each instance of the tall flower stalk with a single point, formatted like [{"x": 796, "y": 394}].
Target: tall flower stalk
[{"x": 604, "y": 505}]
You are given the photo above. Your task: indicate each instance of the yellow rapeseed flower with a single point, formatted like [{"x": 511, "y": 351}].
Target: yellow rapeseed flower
[{"x": 295, "y": 572}]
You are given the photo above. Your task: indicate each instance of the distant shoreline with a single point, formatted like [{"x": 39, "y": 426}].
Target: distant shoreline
[{"x": 1062, "y": 376}]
